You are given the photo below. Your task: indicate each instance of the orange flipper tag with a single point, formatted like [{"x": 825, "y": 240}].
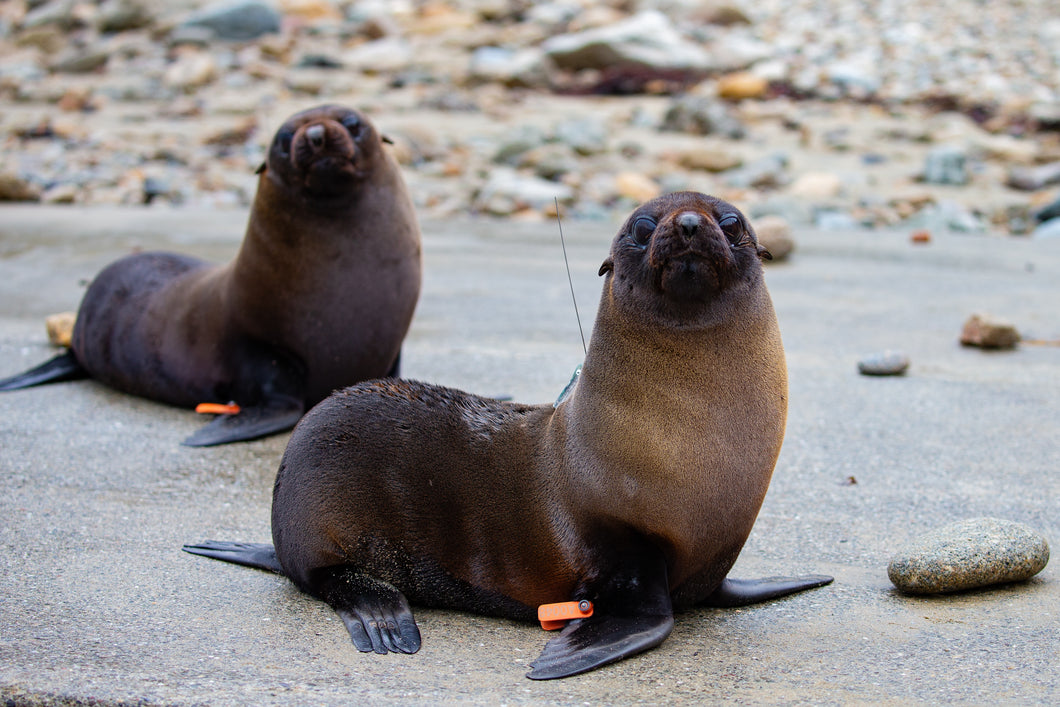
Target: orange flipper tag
[
  {"x": 217, "y": 408},
  {"x": 553, "y": 616}
]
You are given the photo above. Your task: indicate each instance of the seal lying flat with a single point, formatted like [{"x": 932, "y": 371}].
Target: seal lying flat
[
  {"x": 319, "y": 297},
  {"x": 636, "y": 492}
]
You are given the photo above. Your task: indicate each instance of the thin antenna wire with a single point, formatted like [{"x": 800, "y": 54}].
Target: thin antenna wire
[{"x": 569, "y": 279}]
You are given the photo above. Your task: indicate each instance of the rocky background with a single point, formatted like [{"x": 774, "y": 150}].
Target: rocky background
[{"x": 832, "y": 113}]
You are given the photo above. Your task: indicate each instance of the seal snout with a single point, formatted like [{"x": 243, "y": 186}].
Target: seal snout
[
  {"x": 689, "y": 223},
  {"x": 317, "y": 136}
]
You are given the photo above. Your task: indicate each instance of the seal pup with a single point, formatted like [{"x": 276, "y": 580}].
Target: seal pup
[
  {"x": 319, "y": 297},
  {"x": 635, "y": 492}
]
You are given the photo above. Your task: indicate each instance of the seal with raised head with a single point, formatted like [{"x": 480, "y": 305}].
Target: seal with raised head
[
  {"x": 635, "y": 492},
  {"x": 319, "y": 297}
]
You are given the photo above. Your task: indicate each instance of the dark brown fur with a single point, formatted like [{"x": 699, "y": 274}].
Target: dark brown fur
[
  {"x": 671, "y": 435},
  {"x": 319, "y": 297},
  {"x": 636, "y": 492}
]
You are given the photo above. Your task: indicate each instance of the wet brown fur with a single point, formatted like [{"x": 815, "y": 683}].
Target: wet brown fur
[
  {"x": 667, "y": 442},
  {"x": 323, "y": 288}
]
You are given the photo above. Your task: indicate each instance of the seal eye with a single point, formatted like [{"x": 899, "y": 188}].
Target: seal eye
[
  {"x": 642, "y": 229},
  {"x": 730, "y": 224},
  {"x": 352, "y": 123},
  {"x": 283, "y": 140}
]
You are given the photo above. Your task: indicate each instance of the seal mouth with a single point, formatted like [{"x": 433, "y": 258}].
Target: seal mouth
[{"x": 691, "y": 256}]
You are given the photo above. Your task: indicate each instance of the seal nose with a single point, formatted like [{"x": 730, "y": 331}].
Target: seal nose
[
  {"x": 316, "y": 134},
  {"x": 689, "y": 222}
]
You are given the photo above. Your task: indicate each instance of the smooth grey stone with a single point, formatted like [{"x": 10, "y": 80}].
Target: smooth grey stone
[
  {"x": 884, "y": 363},
  {"x": 1047, "y": 229},
  {"x": 946, "y": 165},
  {"x": 648, "y": 39},
  {"x": 969, "y": 554},
  {"x": 702, "y": 116},
  {"x": 238, "y": 20}
]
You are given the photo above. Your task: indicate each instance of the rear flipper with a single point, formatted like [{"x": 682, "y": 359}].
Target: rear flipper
[
  {"x": 632, "y": 615},
  {"x": 742, "y": 592},
  {"x": 260, "y": 556},
  {"x": 63, "y": 367},
  {"x": 589, "y": 643},
  {"x": 376, "y": 613},
  {"x": 276, "y": 415}
]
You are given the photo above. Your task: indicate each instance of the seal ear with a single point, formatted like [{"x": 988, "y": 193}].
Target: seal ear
[
  {"x": 385, "y": 139},
  {"x": 608, "y": 266},
  {"x": 260, "y": 169},
  {"x": 763, "y": 253}
]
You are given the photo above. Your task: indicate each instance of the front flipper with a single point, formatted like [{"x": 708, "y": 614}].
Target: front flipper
[
  {"x": 261, "y": 556},
  {"x": 63, "y": 367},
  {"x": 742, "y": 592},
  {"x": 276, "y": 415},
  {"x": 376, "y": 613},
  {"x": 633, "y": 614}
]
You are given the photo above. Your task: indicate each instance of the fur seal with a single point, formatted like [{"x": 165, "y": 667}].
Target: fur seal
[
  {"x": 636, "y": 492},
  {"x": 319, "y": 297}
]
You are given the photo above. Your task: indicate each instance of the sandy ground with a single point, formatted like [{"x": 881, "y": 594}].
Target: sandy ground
[{"x": 96, "y": 495}]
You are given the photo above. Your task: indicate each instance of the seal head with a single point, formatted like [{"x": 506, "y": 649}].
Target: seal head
[
  {"x": 321, "y": 153},
  {"x": 680, "y": 251}
]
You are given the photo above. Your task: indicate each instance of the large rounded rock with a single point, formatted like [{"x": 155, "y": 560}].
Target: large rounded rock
[
  {"x": 238, "y": 20},
  {"x": 969, "y": 554},
  {"x": 648, "y": 39}
]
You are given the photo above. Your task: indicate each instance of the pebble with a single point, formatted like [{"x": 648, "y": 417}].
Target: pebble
[
  {"x": 816, "y": 186},
  {"x": 647, "y": 40},
  {"x": 1047, "y": 229},
  {"x": 123, "y": 15},
  {"x": 513, "y": 68},
  {"x": 967, "y": 555},
  {"x": 60, "y": 328},
  {"x": 774, "y": 232},
  {"x": 507, "y": 192},
  {"x": 239, "y": 20},
  {"x": 884, "y": 363},
  {"x": 586, "y": 136},
  {"x": 1034, "y": 178},
  {"x": 637, "y": 187},
  {"x": 989, "y": 332},
  {"x": 767, "y": 172},
  {"x": 946, "y": 165},
  {"x": 1048, "y": 212},
  {"x": 81, "y": 61},
  {"x": 702, "y": 116},
  {"x": 191, "y": 70},
  {"x": 15, "y": 188},
  {"x": 742, "y": 85},
  {"x": 709, "y": 159}
]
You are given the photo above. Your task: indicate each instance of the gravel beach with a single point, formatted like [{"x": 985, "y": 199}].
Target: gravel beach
[{"x": 834, "y": 113}]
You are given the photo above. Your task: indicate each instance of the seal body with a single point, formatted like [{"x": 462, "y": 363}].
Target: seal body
[
  {"x": 636, "y": 492},
  {"x": 320, "y": 295}
]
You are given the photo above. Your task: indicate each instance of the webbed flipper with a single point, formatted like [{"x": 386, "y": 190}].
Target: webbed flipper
[
  {"x": 589, "y": 643},
  {"x": 376, "y": 613},
  {"x": 276, "y": 415},
  {"x": 261, "y": 556},
  {"x": 632, "y": 615},
  {"x": 63, "y": 367},
  {"x": 743, "y": 592}
]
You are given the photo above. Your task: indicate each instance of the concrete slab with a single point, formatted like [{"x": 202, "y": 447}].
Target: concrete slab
[{"x": 99, "y": 605}]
